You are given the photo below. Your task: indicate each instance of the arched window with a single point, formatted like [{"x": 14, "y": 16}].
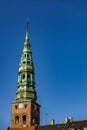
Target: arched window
[
  {"x": 17, "y": 120},
  {"x": 24, "y": 119}
]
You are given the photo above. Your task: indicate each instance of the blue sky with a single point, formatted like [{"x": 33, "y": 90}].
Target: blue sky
[{"x": 58, "y": 36}]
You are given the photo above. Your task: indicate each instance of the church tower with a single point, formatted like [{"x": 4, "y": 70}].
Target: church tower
[{"x": 25, "y": 110}]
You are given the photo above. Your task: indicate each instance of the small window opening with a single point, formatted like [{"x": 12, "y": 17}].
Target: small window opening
[
  {"x": 28, "y": 55},
  {"x": 24, "y": 55},
  {"x": 16, "y": 107},
  {"x": 25, "y": 105},
  {"x": 23, "y": 76},
  {"x": 35, "y": 107},
  {"x": 17, "y": 120},
  {"x": 23, "y": 62},
  {"x": 28, "y": 77},
  {"x": 24, "y": 119},
  {"x": 33, "y": 121},
  {"x": 28, "y": 62}
]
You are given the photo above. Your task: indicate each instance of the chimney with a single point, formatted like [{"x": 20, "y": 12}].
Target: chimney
[
  {"x": 71, "y": 119},
  {"x": 66, "y": 120},
  {"x": 52, "y": 122}
]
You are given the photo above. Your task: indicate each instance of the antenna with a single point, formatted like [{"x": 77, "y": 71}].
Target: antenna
[{"x": 46, "y": 118}]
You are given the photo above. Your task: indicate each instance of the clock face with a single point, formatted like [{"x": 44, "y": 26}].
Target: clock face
[{"x": 21, "y": 105}]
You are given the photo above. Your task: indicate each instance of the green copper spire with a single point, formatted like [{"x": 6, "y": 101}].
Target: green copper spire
[{"x": 26, "y": 82}]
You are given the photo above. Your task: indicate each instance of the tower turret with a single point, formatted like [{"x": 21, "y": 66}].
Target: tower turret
[{"x": 25, "y": 110}]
